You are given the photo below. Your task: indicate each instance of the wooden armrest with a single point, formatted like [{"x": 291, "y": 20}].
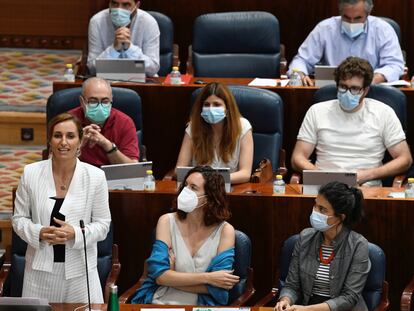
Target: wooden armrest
[
  {"x": 248, "y": 292},
  {"x": 176, "y": 55},
  {"x": 271, "y": 296},
  {"x": 126, "y": 297},
  {"x": 407, "y": 296},
  {"x": 190, "y": 68},
  {"x": 385, "y": 301},
  {"x": 295, "y": 178},
  {"x": 114, "y": 273},
  {"x": 398, "y": 181},
  {"x": 171, "y": 175},
  {"x": 5, "y": 269}
]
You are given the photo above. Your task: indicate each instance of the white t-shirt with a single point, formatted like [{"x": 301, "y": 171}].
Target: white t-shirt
[
  {"x": 233, "y": 163},
  {"x": 351, "y": 141}
]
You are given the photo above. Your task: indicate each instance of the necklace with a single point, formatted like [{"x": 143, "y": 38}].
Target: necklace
[
  {"x": 63, "y": 185},
  {"x": 328, "y": 260}
]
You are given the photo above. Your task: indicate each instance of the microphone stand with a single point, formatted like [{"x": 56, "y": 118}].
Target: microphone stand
[{"x": 82, "y": 225}]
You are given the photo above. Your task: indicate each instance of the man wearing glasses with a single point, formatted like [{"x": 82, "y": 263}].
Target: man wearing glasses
[
  {"x": 124, "y": 31},
  {"x": 109, "y": 135},
  {"x": 352, "y": 132},
  {"x": 354, "y": 33}
]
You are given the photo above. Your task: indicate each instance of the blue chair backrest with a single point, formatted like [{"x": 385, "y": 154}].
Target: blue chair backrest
[
  {"x": 166, "y": 42},
  {"x": 394, "y": 25},
  {"x": 236, "y": 44},
  {"x": 125, "y": 100},
  {"x": 264, "y": 110},
  {"x": 14, "y": 283},
  {"x": 243, "y": 253},
  {"x": 373, "y": 287}
]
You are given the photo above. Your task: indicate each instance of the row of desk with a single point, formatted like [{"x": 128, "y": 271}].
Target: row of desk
[
  {"x": 166, "y": 109},
  {"x": 268, "y": 220}
]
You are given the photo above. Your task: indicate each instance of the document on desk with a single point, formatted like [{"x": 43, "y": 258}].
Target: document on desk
[
  {"x": 397, "y": 83},
  {"x": 162, "y": 309},
  {"x": 269, "y": 82}
]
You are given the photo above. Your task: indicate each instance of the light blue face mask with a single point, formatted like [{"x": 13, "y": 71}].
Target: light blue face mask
[
  {"x": 213, "y": 115},
  {"x": 347, "y": 101},
  {"x": 98, "y": 114},
  {"x": 120, "y": 17},
  {"x": 319, "y": 221},
  {"x": 352, "y": 30}
]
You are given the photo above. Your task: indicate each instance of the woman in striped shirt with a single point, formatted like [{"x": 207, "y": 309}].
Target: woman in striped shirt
[{"x": 330, "y": 262}]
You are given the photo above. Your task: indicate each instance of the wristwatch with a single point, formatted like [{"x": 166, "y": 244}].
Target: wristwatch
[{"x": 113, "y": 149}]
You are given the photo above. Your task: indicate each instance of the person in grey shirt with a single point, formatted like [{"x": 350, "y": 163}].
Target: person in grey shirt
[
  {"x": 330, "y": 263},
  {"x": 124, "y": 31}
]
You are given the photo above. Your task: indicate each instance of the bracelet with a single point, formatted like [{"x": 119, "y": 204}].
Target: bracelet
[{"x": 113, "y": 149}]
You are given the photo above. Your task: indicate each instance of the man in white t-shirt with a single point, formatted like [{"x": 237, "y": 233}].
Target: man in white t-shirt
[{"x": 352, "y": 132}]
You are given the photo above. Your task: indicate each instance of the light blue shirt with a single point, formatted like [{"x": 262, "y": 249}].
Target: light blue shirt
[
  {"x": 145, "y": 40},
  {"x": 328, "y": 44}
]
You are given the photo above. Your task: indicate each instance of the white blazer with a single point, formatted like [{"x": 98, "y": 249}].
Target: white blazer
[{"x": 86, "y": 199}]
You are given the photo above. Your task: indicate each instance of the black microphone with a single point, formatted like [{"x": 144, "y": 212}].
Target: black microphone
[{"x": 82, "y": 225}]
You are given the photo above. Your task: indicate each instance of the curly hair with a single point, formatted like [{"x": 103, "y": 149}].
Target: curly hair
[
  {"x": 354, "y": 67},
  {"x": 216, "y": 210}
]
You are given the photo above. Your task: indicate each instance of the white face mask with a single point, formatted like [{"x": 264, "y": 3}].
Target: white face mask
[
  {"x": 319, "y": 221},
  {"x": 352, "y": 30},
  {"x": 187, "y": 200}
]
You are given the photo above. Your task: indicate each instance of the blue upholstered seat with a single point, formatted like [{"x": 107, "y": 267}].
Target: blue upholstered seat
[{"x": 236, "y": 44}]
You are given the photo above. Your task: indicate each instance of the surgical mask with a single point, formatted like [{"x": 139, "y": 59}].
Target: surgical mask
[
  {"x": 187, "y": 200},
  {"x": 98, "y": 114},
  {"x": 347, "y": 101},
  {"x": 319, "y": 221},
  {"x": 352, "y": 30},
  {"x": 213, "y": 115},
  {"x": 120, "y": 17}
]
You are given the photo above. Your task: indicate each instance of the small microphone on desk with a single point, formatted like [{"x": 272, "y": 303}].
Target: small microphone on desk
[{"x": 82, "y": 226}]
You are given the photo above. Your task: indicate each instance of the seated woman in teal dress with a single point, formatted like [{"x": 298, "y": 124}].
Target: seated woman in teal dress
[{"x": 192, "y": 257}]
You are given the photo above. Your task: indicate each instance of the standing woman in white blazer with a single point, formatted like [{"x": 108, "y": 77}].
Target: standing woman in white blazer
[{"x": 52, "y": 197}]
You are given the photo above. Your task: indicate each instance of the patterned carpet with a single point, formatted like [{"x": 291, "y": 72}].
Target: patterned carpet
[
  {"x": 27, "y": 75},
  {"x": 12, "y": 162}
]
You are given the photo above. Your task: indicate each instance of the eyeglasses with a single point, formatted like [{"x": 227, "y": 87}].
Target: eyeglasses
[
  {"x": 93, "y": 102},
  {"x": 125, "y": 6},
  {"x": 355, "y": 90}
]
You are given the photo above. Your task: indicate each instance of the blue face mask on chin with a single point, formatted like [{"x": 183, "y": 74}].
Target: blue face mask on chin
[
  {"x": 99, "y": 114},
  {"x": 120, "y": 17},
  {"x": 347, "y": 101},
  {"x": 213, "y": 115}
]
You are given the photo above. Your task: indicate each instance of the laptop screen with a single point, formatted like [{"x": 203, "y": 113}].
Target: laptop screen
[{"x": 121, "y": 69}]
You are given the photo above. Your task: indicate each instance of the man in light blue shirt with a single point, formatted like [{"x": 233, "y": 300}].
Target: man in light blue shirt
[
  {"x": 353, "y": 33},
  {"x": 124, "y": 31}
]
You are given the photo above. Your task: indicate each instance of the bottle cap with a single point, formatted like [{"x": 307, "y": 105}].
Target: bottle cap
[
  {"x": 175, "y": 68},
  {"x": 69, "y": 66},
  {"x": 149, "y": 172},
  {"x": 279, "y": 177},
  {"x": 114, "y": 289},
  {"x": 411, "y": 180}
]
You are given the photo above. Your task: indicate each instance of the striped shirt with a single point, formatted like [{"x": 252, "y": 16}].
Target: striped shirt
[{"x": 321, "y": 284}]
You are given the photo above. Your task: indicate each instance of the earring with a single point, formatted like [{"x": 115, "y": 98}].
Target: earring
[{"x": 78, "y": 152}]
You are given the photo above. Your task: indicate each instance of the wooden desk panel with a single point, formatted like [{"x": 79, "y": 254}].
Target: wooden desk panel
[
  {"x": 166, "y": 111},
  {"x": 268, "y": 220}
]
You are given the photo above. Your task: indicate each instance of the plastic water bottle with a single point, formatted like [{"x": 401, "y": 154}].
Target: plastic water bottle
[
  {"x": 409, "y": 189},
  {"x": 412, "y": 82},
  {"x": 149, "y": 181},
  {"x": 69, "y": 76},
  {"x": 113, "y": 304},
  {"x": 279, "y": 185},
  {"x": 175, "y": 76},
  {"x": 295, "y": 78}
]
